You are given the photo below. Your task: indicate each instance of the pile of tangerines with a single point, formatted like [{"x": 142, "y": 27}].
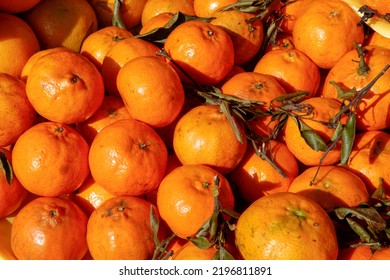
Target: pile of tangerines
[{"x": 195, "y": 129}]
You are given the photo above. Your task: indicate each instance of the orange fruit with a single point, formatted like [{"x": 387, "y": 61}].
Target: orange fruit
[
  {"x": 369, "y": 159},
  {"x": 65, "y": 87},
  {"x": 147, "y": 98},
  {"x": 154, "y": 7},
  {"x": 255, "y": 87},
  {"x": 50, "y": 159},
  {"x": 120, "y": 229},
  {"x": 190, "y": 251},
  {"x": 11, "y": 195},
  {"x": 292, "y": 69},
  {"x": 185, "y": 199},
  {"x": 286, "y": 226},
  {"x": 128, "y": 157},
  {"x": 62, "y": 23},
  {"x": 333, "y": 187},
  {"x": 247, "y": 34},
  {"x": 157, "y": 21},
  {"x": 355, "y": 253},
  {"x": 18, "y": 44},
  {"x": 381, "y": 6},
  {"x": 372, "y": 112},
  {"x": 49, "y": 228},
  {"x": 206, "y": 8},
  {"x": 323, "y": 110},
  {"x": 326, "y": 30},
  {"x": 111, "y": 110},
  {"x": 130, "y": 12},
  {"x": 90, "y": 195},
  {"x": 204, "y": 135},
  {"x": 376, "y": 39},
  {"x": 383, "y": 254},
  {"x": 291, "y": 11},
  {"x": 17, "y": 6},
  {"x": 255, "y": 177},
  {"x": 120, "y": 53},
  {"x": 202, "y": 50},
  {"x": 31, "y": 61},
  {"x": 16, "y": 112},
  {"x": 97, "y": 44}
]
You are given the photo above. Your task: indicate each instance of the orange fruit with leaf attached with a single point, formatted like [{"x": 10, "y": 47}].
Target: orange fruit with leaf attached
[
  {"x": 146, "y": 97},
  {"x": 117, "y": 56},
  {"x": 64, "y": 86},
  {"x": 16, "y": 113},
  {"x": 130, "y": 12},
  {"x": 256, "y": 87},
  {"x": 51, "y": 159},
  {"x": 18, "y": 44},
  {"x": 331, "y": 187},
  {"x": 120, "y": 229},
  {"x": 158, "y": 21},
  {"x": 97, "y": 44},
  {"x": 369, "y": 160},
  {"x": 111, "y": 110},
  {"x": 312, "y": 120},
  {"x": 50, "y": 228},
  {"x": 286, "y": 226},
  {"x": 326, "y": 30},
  {"x": 155, "y": 7},
  {"x": 62, "y": 23},
  {"x": 256, "y": 176},
  {"x": 202, "y": 50},
  {"x": 128, "y": 157},
  {"x": 12, "y": 193},
  {"x": 292, "y": 69},
  {"x": 247, "y": 34},
  {"x": 185, "y": 197},
  {"x": 372, "y": 112},
  {"x": 204, "y": 135},
  {"x": 206, "y": 8}
]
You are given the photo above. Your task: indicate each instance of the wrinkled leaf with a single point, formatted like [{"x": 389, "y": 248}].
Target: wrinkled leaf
[
  {"x": 293, "y": 97},
  {"x": 223, "y": 254},
  {"x": 6, "y": 168},
  {"x": 347, "y": 138},
  {"x": 359, "y": 230},
  {"x": 370, "y": 215},
  {"x": 201, "y": 242},
  {"x": 311, "y": 137},
  {"x": 159, "y": 35}
]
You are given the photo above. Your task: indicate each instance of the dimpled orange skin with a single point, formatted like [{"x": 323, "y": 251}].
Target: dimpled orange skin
[
  {"x": 185, "y": 199},
  {"x": 333, "y": 187},
  {"x": 120, "y": 229},
  {"x": 286, "y": 226},
  {"x": 128, "y": 157},
  {"x": 205, "y": 136},
  {"x": 51, "y": 159},
  {"x": 50, "y": 228},
  {"x": 16, "y": 113},
  {"x": 203, "y": 50},
  {"x": 65, "y": 87}
]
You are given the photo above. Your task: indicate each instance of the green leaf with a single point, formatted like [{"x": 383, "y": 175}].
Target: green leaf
[
  {"x": 201, "y": 242},
  {"x": 337, "y": 133},
  {"x": 292, "y": 97},
  {"x": 370, "y": 215},
  {"x": 223, "y": 254},
  {"x": 159, "y": 35},
  {"x": 343, "y": 94},
  {"x": 6, "y": 168},
  {"x": 347, "y": 138},
  {"x": 310, "y": 136}
]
